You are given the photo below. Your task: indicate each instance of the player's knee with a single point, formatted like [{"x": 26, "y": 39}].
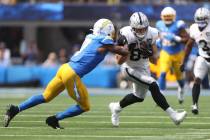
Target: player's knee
[
  {"x": 86, "y": 108},
  {"x": 153, "y": 87},
  {"x": 139, "y": 99},
  {"x": 134, "y": 98},
  {"x": 197, "y": 80},
  {"x": 47, "y": 98}
]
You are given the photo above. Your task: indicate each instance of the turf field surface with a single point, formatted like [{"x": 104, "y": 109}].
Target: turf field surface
[{"x": 142, "y": 121}]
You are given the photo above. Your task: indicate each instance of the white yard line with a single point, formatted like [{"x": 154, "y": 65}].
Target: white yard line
[
  {"x": 123, "y": 122},
  {"x": 99, "y": 136},
  {"x": 198, "y": 131},
  {"x": 108, "y": 116}
]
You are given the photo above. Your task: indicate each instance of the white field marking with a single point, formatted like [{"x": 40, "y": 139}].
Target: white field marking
[
  {"x": 142, "y": 113},
  {"x": 105, "y": 122},
  {"x": 108, "y": 116},
  {"x": 195, "y": 133},
  {"x": 104, "y": 128},
  {"x": 99, "y": 136}
]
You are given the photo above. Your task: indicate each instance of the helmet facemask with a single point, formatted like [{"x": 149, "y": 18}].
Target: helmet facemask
[
  {"x": 202, "y": 18},
  {"x": 139, "y": 24},
  {"x": 168, "y": 15},
  {"x": 140, "y": 32}
]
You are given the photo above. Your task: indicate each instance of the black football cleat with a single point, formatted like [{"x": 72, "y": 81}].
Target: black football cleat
[
  {"x": 195, "y": 110},
  {"x": 52, "y": 121},
  {"x": 11, "y": 111}
]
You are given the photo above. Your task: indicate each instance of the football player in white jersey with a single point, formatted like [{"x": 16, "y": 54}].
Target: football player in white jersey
[
  {"x": 140, "y": 38},
  {"x": 200, "y": 34}
]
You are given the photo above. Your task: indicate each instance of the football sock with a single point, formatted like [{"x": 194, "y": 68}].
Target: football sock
[
  {"x": 129, "y": 99},
  {"x": 162, "y": 81},
  {"x": 32, "y": 101},
  {"x": 195, "y": 93},
  {"x": 181, "y": 83},
  {"x": 170, "y": 111},
  {"x": 70, "y": 112},
  {"x": 157, "y": 96}
]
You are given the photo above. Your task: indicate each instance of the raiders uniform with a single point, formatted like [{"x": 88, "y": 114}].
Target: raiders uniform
[
  {"x": 136, "y": 67},
  {"x": 202, "y": 39}
]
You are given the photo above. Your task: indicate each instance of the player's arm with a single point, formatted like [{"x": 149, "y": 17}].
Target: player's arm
[
  {"x": 120, "y": 50},
  {"x": 154, "y": 57},
  {"x": 122, "y": 41},
  {"x": 108, "y": 45},
  {"x": 188, "y": 48},
  {"x": 184, "y": 36}
]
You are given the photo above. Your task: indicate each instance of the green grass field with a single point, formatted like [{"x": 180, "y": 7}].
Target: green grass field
[{"x": 143, "y": 121}]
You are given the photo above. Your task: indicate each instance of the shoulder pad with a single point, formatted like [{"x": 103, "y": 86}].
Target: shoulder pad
[
  {"x": 127, "y": 32},
  {"x": 181, "y": 24}
]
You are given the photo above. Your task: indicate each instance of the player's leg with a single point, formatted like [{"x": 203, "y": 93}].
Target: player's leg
[
  {"x": 161, "y": 101},
  {"x": 143, "y": 77},
  {"x": 177, "y": 60},
  {"x": 136, "y": 96},
  {"x": 165, "y": 64},
  {"x": 77, "y": 91},
  {"x": 200, "y": 70},
  {"x": 54, "y": 87}
]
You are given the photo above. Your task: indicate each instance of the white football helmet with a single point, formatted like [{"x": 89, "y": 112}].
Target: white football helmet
[
  {"x": 104, "y": 27},
  {"x": 202, "y": 17},
  {"x": 139, "y": 23},
  {"x": 168, "y": 15}
]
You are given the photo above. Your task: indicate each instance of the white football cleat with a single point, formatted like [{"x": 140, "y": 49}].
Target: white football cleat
[
  {"x": 195, "y": 109},
  {"x": 180, "y": 95},
  {"x": 178, "y": 117},
  {"x": 115, "y": 110}
]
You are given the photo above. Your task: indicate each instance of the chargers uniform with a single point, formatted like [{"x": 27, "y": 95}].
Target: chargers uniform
[
  {"x": 136, "y": 68},
  {"x": 172, "y": 54},
  {"x": 92, "y": 52},
  {"x": 82, "y": 62}
]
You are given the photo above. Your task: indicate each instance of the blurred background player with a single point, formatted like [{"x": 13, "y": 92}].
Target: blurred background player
[
  {"x": 140, "y": 38},
  {"x": 172, "y": 37},
  {"x": 93, "y": 50},
  {"x": 200, "y": 34}
]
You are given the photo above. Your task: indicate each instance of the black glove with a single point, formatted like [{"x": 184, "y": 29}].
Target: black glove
[{"x": 146, "y": 51}]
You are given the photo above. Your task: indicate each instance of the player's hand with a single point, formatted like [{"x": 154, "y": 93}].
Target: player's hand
[{"x": 146, "y": 52}]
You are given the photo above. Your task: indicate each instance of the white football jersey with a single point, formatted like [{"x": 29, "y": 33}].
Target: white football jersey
[
  {"x": 202, "y": 39},
  {"x": 135, "y": 59}
]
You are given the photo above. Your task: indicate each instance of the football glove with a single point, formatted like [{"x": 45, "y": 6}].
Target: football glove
[{"x": 146, "y": 51}]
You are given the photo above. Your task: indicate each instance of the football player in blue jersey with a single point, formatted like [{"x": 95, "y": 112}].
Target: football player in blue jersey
[
  {"x": 173, "y": 36},
  {"x": 92, "y": 52}
]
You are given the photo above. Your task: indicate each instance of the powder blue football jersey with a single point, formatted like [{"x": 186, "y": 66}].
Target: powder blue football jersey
[
  {"x": 171, "y": 46},
  {"x": 87, "y": 58}
]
